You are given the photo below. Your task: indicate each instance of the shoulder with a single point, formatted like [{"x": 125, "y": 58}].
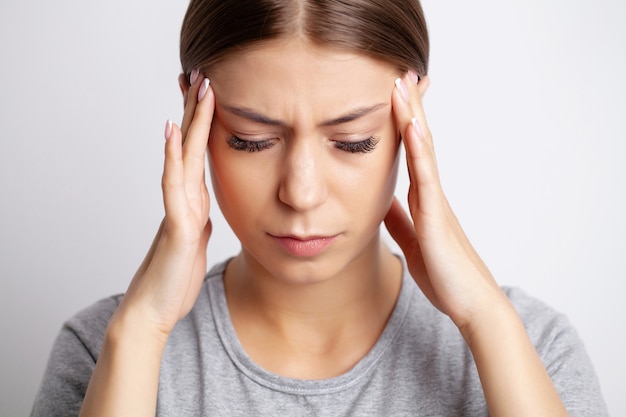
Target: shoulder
[
  {"x": 528, "y": 306},
  {"x": 72, "y": 360},
  {"x": 563, "y": 354},
  {"x": 543, "y": 323},
  {"x": 549, "y": 330},
  {"x": 78, "y": 345},
  {"x": 89, "y": 325},
  {"x": 554, "y": 337}
]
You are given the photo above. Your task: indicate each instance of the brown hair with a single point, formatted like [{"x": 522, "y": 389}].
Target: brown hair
[{"x": 390, "y": 30}]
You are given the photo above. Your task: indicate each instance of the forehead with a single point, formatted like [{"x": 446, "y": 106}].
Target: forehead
[{"x": 285, "y": 77}]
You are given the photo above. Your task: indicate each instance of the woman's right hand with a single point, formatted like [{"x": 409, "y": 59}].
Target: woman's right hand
[{"x": 167, "y": 283}]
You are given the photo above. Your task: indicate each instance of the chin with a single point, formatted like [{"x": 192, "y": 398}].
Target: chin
[{"x": 294, "y": 270}]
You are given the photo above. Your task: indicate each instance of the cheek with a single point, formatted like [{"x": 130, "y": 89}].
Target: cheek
[
  {"x": 387, "y": 185},
  {"x": 377, "y": 183},
  {"x": 226, "y": 174},
  {"x": 216, "y": 167},
  {"x": 242, "y": 194}
]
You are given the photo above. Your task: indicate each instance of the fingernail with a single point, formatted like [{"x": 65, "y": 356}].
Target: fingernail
[
  {"x": 402, "y": 88},
  {"x": 203, "y": 88},
  {"x": 417, "y": 127},
  {"x": 168, "y": 129},
  {"x": 413, "y": 77},
  {"x": 193, "y": 76}
]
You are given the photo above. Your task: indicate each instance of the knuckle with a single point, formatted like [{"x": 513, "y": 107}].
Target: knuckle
[{"x": 169, "y": 184}]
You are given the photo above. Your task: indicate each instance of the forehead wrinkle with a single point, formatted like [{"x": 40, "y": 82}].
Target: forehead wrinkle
[
  {"x": 254, "y": 116},
  {"x": 350, "y": 116},
  {"x": 354, "y": 115}
]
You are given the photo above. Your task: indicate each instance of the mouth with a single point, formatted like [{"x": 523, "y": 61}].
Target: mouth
[{"x": 304, "y": 247}]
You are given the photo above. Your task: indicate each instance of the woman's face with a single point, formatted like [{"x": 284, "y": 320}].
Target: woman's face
[{"x": 303, "y": 156}]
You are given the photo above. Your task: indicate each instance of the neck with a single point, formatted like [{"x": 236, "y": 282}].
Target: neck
[{"x": 318, "y": 328}]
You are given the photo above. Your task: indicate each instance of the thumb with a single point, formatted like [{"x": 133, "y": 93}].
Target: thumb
[{"x": 401, "y": 228}]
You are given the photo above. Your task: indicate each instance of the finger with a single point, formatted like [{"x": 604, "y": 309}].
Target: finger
[
  {"x": 174, "y": 197},
  {"x": 417, "y": 90},
  {"x": 423, "y": 173},
  {"x": 190, "y": 97},
  {"x": 422, "y": 83},
  {"x": 194, "y": 149},
  {"x": 405, "y": 105}
]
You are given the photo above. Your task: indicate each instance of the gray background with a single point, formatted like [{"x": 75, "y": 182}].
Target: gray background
[{"x": 526, "y": 105}]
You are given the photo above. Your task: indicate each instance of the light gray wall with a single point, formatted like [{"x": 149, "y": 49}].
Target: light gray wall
[{"x": 527, "y": 106}]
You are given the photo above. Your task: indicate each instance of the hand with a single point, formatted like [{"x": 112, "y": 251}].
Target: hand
[
  {"x": 453, "y": 277},
  {"x": 167, "y": 283},
  {"x": 439, "y": 256}
]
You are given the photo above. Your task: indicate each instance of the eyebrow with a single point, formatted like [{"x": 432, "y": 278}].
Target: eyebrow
[{"x": 351, "y": 116}]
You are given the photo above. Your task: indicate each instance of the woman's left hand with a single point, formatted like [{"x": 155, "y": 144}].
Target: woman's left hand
[
  {"x": 454, "y": 278},
  {"x": 439, "y": 256}
]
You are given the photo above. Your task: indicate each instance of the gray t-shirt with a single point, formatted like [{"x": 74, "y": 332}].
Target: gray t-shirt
[{"x": 420, "y": 366}]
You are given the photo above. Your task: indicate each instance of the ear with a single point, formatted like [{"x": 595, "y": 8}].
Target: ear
[{"x": 183, "y": 83}]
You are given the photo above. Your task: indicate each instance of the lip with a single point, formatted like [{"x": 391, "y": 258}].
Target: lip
[{"x": 304, "y": 247}]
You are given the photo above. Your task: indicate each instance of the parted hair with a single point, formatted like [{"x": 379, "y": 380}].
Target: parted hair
[{"x": 393, "y": 31}]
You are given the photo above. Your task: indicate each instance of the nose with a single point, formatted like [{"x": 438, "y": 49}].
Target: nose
[{"x": 303, "y": 181}]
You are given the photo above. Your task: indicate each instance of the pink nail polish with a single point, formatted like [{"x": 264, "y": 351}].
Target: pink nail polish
[
  {"x": 418, "y": 128},
  {"x": 168, "y": 129},
  {"x": 413, "y": 77},
  {"x": 402, "y": 88},
  {"x": 203, "y": 88},
  {"x": 194, "y": 76}
]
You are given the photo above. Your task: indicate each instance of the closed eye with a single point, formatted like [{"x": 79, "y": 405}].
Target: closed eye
[
  {"x": 364, "y": 146},
  {"x": 249, "y": 145}
]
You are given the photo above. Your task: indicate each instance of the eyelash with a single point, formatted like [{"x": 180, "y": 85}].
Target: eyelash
[
  {"x": 248, "y": 145},
  {"x": 364, "y": 146}
]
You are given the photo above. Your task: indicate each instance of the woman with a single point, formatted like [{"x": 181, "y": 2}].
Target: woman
[{"x": 303, "y": 118}]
